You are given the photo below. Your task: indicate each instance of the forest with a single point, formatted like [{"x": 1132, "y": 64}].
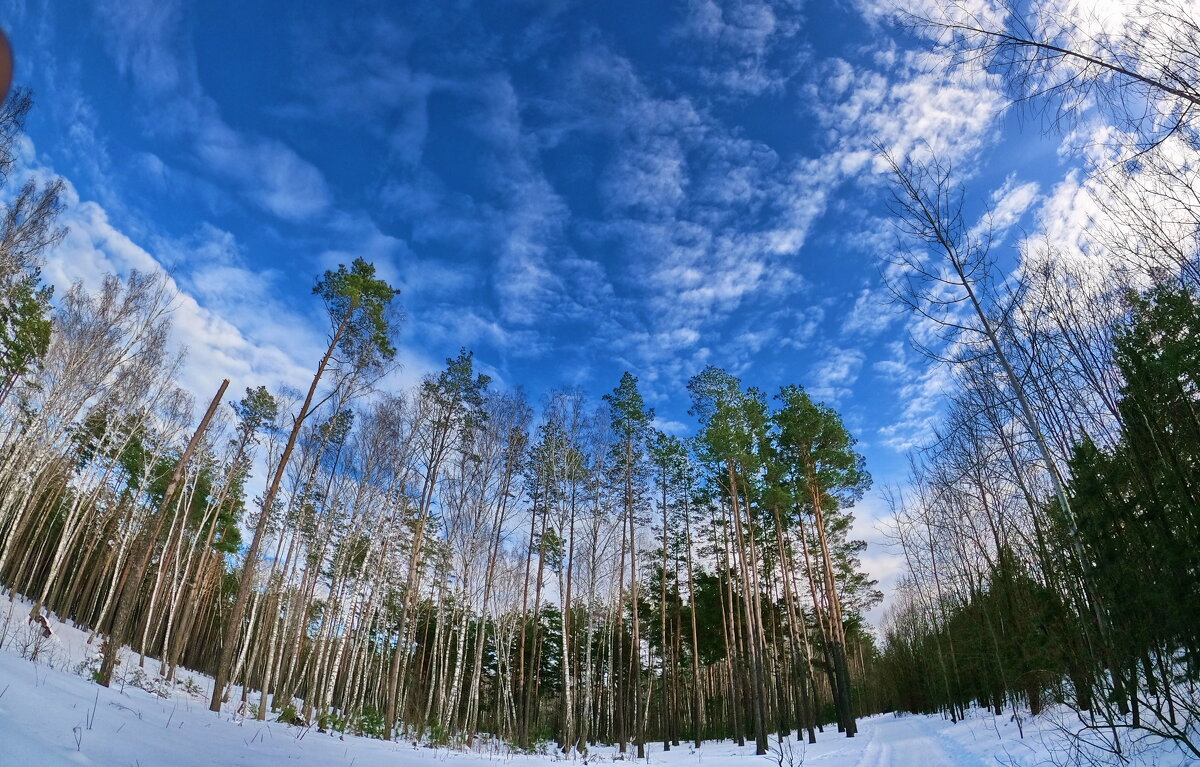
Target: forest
[{"x": 453, "y": 561}]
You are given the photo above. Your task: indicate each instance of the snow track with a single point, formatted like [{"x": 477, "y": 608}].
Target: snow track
[{"x": 912, "y": 742}]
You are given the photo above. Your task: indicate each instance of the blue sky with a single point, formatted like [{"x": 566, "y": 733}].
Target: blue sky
[{"x": 571, "y": 189}]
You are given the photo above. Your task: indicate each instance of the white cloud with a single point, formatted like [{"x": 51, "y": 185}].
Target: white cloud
[
  {"x": 742, "y": 47},
  {"x": 916, "y": 104},
  {"x": 1009, "y": 202},
  {"x": 870, "y": 315},
  {"x": 649, "y": 179},
  {"x": 360, "y": 76},
  {"x": 890, "y": 12},
  {"x": 920, "y": 386},
  {"x": 674, "y": 428},
  {"x": 831, "y": 379},
  {"x": 268, "y": 172},
  {"x": 216, "y": 344},
  {"x": 1122, "y": 220},
  {"x": 148, "y": 41},
  {"x": 536, "y": 276},
  {"x": 703, "y": 219}
]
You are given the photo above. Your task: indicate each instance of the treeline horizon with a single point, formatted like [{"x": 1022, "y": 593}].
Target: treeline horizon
[{"x": 436, "y": 563}]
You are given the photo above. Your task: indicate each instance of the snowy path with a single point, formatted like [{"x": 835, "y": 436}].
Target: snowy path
[
  {"x": 50, "y": 717},
  {"x": 910, "y": 742}
]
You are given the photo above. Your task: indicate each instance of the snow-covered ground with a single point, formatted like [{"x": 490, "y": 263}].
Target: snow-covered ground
[{"x": 51, "y": 715}]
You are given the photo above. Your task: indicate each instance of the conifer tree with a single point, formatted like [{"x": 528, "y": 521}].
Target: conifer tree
[
  {"x": 360, "y": 345},
  {"x": 631, "y": 426},
  {"x": 827, "y": 475}
]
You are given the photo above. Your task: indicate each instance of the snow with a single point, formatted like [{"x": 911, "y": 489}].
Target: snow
[{"x": 50, "y": 715}]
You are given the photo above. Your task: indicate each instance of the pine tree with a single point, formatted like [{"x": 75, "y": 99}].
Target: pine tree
[
  {"x": 827, "y": 475},
  {"x": 360, "y": 345}
]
